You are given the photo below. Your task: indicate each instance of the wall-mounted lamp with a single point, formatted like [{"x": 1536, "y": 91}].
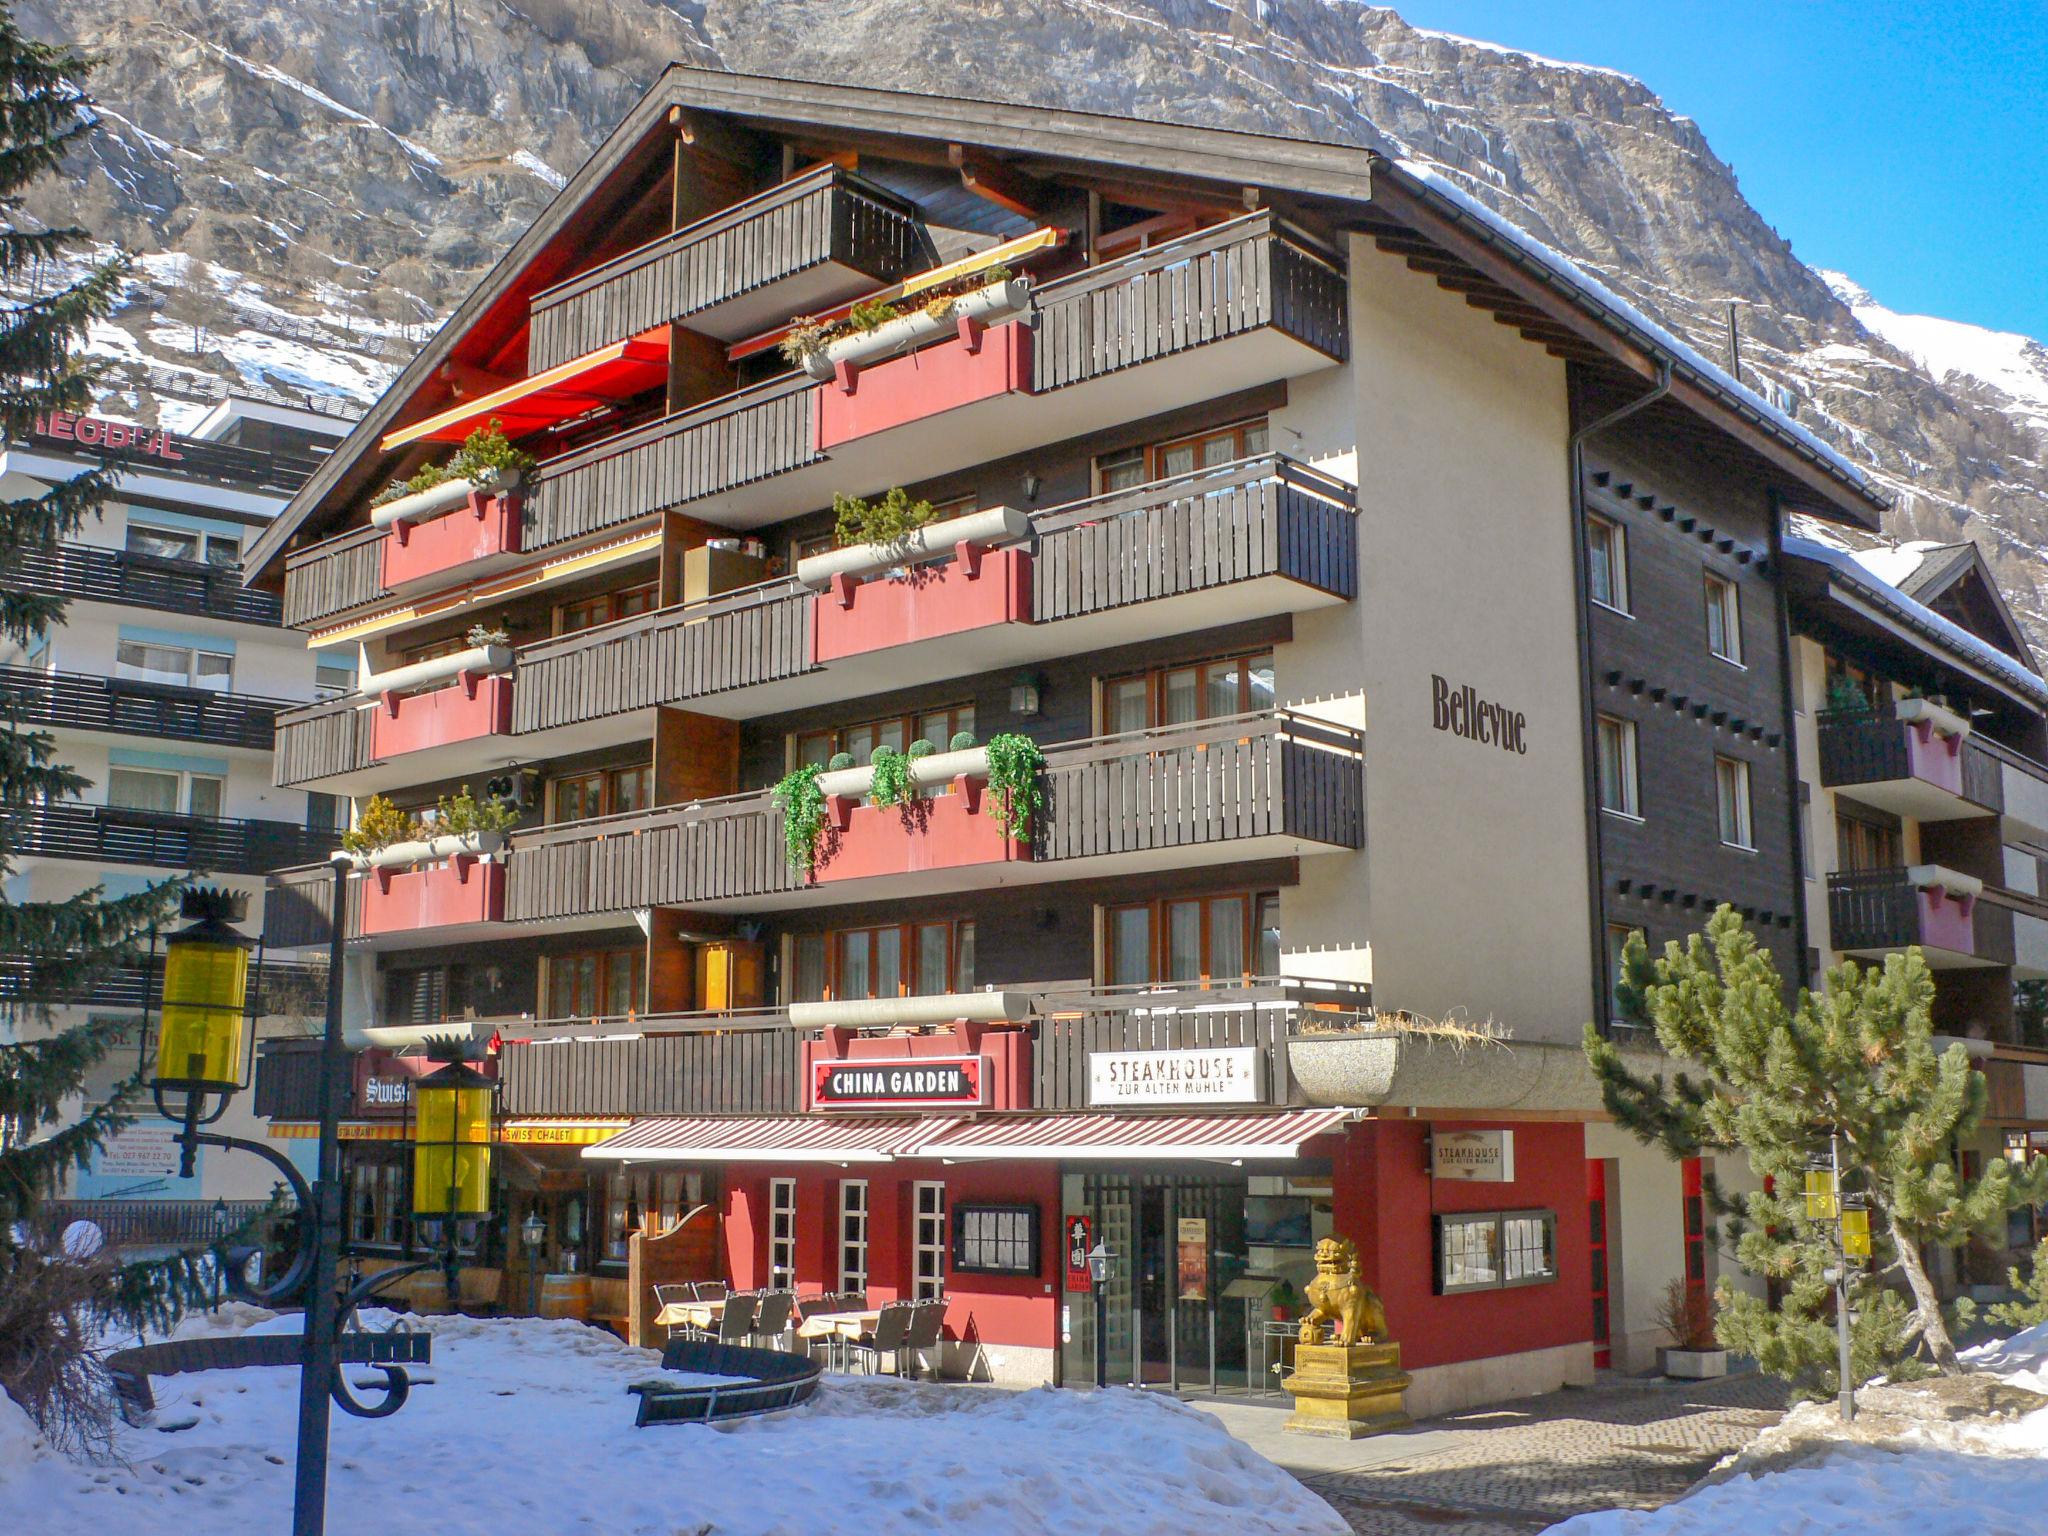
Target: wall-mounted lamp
[
  {"x": 1027, "y": 694},
  {"x": 1031, "y": 485}
]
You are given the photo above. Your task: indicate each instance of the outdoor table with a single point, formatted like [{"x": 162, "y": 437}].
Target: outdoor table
[
  {"x": 690, "y": 1314},
  {"x": 848, "y": 1325}
]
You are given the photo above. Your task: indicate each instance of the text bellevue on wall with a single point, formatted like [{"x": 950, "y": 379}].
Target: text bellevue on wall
[{"x": 1457, "y": 708}]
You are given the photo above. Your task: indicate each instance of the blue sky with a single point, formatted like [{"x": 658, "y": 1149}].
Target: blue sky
[{"x": 1905, "y": 144}]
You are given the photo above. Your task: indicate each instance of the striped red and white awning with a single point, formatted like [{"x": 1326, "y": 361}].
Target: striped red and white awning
[
  {"x": 1233, "y": 1137},
  {"x": 764, "y": 1139}
]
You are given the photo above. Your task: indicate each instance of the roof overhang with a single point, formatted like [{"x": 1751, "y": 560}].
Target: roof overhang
[
  {"x": 1351, "y": 186},
  {"x": 560, "y": 394}
]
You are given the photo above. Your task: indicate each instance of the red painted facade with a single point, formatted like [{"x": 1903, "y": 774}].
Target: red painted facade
[
  {"x": 988, "y": 1309},
  {"x": 464, "y": 890},
  {"x": 1947, "y": 921},
  {"x": 945, "y": 832},
  {"x": 939, "y": 378},
  {"x": 486, "y": 527},
  {"x": 1384, "y": 1199},
  {"x": 977, "y": 590},
  {"x": 469, "y": 708}
]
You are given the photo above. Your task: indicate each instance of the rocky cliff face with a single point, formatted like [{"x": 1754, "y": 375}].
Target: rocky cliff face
[{"x": 308, "y": 186}]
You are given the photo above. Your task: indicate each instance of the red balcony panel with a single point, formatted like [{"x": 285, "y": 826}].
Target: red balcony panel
[
  {"x": 486, "y": 529},
  {"x": 979, "y": 589},
  {"x": 1003, "y": 1055},
  {"x": 467, "y": 709},
  {"x": 939, "y": 378},
  {"x": 945, "y": 832},
  {"x": 1947, "y": 920},
  {"x": 1936, "y": 758},
  {"x": 464, "y": 890}
]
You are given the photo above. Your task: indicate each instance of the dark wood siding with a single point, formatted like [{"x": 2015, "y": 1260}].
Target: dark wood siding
[
  {"x": 826, "y": 215},
  {"x": 129, "y": 707},
  {"x": 707, "y": 1070},
  {"x": 333, "y": 576},
  {"x": 321, "y": 739},
  {"x": 296, "y": 906},
  {"x": 116, "y": 835},
  {"x": 143, "y": 581}
]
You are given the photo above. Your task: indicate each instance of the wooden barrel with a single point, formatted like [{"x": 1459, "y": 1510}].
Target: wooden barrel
[{"x": 565, "y": 1296}]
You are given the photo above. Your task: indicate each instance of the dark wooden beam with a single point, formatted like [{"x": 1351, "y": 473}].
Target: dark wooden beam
[{"x": 997, "y": 183}]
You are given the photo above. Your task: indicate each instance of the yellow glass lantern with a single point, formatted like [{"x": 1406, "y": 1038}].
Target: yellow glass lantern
[
  {"x": 1856, "y": 1233},
  {"x": 451, "y": 1155},
  {"x": 204, "y": 1013},
  {"x": 1822, "y": 1202}
]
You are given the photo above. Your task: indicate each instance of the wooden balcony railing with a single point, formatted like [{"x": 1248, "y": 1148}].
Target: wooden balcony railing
[
  {"x": 275, "y": 985},
  {"x": 319, "y": 740},
  {"x": 1861, "y": 748},
  {"x": 333, "y": 576},
  {"x": 144, "y": 581},
  {"x": 81, "y": 701},
  {"x": 722, "y": 1064},
  {"x": 826, "y": 215},
  {"x": 296, "y": 905},
  {"x": 116, "y": 835},
  {"x": 1881, "y": 909}
]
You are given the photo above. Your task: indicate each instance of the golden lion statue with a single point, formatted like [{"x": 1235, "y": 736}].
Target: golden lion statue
[{"x": 1336, "y": 1296}]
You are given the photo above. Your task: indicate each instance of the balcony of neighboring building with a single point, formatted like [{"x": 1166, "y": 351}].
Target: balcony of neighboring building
[
  {"x": 138, "y": 579},
  {"x": 1220, "y": 311},
  {"x": 110, "y": 834},
  {"x": 1913, "y": 758},
  {"x": 1876, "y": 912},
  {"x": 1252, "y": 538},
  {"x": 1271, "y": 784},
  {"x": 132, "y": 706}
]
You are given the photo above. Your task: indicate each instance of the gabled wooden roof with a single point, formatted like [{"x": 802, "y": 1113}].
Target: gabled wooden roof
[
  {"x": 1346, "y": 187},
  {"x": 1956, "y": 581}
]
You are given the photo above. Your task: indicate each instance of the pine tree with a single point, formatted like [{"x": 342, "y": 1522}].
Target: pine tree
[
  {"x": 1857, "y": 1061},
  {"x": 60, "y": 948}
]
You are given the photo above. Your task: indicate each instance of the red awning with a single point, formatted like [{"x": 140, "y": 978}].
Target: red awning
[
  {"x": 764, "y": 1139},
  {"x": 610, "y": 374},
  {"x": 1225, "y": 1135}
]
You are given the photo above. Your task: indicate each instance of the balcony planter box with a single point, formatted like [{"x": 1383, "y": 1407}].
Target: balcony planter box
[
  {"x": 971, "y": 313},
  {"x": 947, "y": 832},
  {"x": 1695, "y": 1364},
  {"x": 1948, "y": 904},
  {"x": 467, "y": 888},
  {"x": 979, "y": 589},
  {"x": 483, "y": 528},
  {"x": 470, "y": 708},
  {"x": 976, "y": 365},
  {"x": 1934, "y": 743}
]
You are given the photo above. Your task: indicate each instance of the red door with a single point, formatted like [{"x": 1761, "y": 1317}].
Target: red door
[
  {"x": 1695, "y": 1211},
  {"x": 1596, "y": 1219}
]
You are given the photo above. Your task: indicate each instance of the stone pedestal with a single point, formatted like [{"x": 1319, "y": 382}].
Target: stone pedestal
[{"x": 1347, "y": 1392}]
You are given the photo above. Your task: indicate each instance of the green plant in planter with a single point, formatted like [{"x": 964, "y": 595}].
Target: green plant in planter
[
  {"x": 805, "y": 338},
  {"x": 485, "y": 452},
  {"x": 1014, "y": 766},
  {"x": 891, "y": 784},
  {"x": 379, "y": 826},
  {"x": 871, "y": 315},
  {"x": 802, "y": 805},
  {"x": 462, "y": 813},
  {"x": 963, "y": 741},
  {"x": 839, "y": 762},
  {"x": 480, "y": 635},
  {"x": 1284, "y": 1300},
  {"x": 1845, "y": 695},
  {"x": 922, "y": 748},
  {"x": 879, "y": 522}
]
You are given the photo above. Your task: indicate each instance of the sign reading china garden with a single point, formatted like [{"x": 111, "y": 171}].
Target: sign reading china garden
[
  {"x": 917, "y": 1082},
  {"x": 1210, "y": 1075}
]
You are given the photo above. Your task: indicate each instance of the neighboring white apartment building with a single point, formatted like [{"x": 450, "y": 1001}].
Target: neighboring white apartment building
[{"x": 160, "y": 688}]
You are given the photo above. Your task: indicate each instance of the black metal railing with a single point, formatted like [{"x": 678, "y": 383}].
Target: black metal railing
[
  {"x": 152, "y": 1223},
  {"x": 111, "y": 834},
  {"x": 145, "y": 581},
  {"x": 80, "y": 701}
]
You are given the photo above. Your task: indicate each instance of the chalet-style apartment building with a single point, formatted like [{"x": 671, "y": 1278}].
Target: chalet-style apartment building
[
  {"x": 161, "y": 688},
  {"x": 1399, "y": 615}
]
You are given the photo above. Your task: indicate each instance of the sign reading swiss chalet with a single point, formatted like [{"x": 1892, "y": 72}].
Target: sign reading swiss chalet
[{"x": 949, "y": 1082}]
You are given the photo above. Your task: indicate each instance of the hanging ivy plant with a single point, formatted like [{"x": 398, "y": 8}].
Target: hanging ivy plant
[
  {"x": 891, "y": 785},
  {"x": 1014, "y": 766},
  {"x": 803, "y": 815}
]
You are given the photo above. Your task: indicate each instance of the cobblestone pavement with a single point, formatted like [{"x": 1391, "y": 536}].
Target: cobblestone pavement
[{"x": 1517, "y": 1468}]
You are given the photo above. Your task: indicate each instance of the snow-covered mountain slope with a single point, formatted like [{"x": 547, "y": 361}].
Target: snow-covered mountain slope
[{"x": 354, "y": 165}]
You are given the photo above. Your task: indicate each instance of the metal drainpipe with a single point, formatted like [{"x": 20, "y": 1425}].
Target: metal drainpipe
[{"x": 1594, "y": 867}]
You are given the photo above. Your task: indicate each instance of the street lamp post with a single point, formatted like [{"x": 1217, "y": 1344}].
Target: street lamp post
[
  {"x": 533, "y": 1232},
  {"x": 1099, "y": 1261}
]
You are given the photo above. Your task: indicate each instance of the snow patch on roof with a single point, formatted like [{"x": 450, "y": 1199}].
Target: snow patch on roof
[
  {"x": 1600, "y": 294},
  {"x": 1853, "y": 568},
  {"x": 1895, "y": 564}
]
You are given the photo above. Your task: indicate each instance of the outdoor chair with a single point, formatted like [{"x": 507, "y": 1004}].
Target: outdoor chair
[
  {"x": 675, "y": 1295},
  {"x": 737, "y": 1321},
  {"x": 771, "y": 1320},
  {"x": 892, "y": 1333},
  {"x": 707, "y": 1290},
  {"x": 927, "y": 1328}
]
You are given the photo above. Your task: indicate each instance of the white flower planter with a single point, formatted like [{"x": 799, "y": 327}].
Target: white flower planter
[
  {"x": 483, "y": 845},
  {"x": 996, "y": 302},
  {"x": 1696, "y": 1364},
  {"x": 925, "y": 773},
  {"x": 436, "y": 499},
  {"x": 989, "y": 528},
  {"x": 484, "y": 660}
]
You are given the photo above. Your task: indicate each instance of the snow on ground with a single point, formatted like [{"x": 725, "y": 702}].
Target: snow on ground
[
  {"x": 526, "y": 1427},
  {"x": 1934, "y": 1478}
]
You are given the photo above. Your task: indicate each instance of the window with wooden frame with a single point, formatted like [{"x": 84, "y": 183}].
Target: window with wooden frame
[
  {"x": 434, "y": 650},
  {"x": 1187, "y": 692},
  {"x": 1724, "y": 618},
  {"x": 1607, "y": 563},
  {"x": 1615, "y": 769},
  {"x": 378, "y": 1204},
  {"x": 927, "y": 1240},
  {"x": 582, "y": 613},
  {"x": 1850, "y": 686},
  {"x": 781, "y": 1234},
  {"x": 602, "y": 792},
  {"x": 937, "y": 725},
  {"x": 597, "y": 983},
  {"x": 1201, "y": 940},
  {"x": 1862, "y": 845},
  {"x": 1129, "y": 467},
  {"x": 892, "y": 960},
  {"x": 1731, "y": 791},
  {"x": 853, "y": 1234},
  {"x": 425, "y": 994}
]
